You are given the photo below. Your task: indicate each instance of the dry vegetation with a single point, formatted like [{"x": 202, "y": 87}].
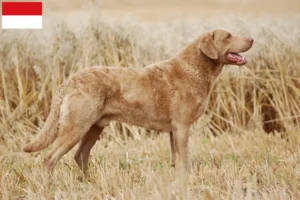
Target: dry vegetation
[{"x": 232, "y": 155}]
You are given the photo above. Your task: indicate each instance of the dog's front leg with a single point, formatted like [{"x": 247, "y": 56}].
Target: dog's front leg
[
  {"x": 180, "y": 134},
  {"x": 174, "y": 150}
]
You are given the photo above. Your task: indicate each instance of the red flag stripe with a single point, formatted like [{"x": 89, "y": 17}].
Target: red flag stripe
[{"x": 21, "y": 8}]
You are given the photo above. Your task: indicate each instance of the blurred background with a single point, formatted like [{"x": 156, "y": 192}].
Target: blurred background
[{"x": 157, "y": 9}]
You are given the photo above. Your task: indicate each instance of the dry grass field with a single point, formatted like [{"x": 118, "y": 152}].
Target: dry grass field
[{"x": 246, "y": 146}]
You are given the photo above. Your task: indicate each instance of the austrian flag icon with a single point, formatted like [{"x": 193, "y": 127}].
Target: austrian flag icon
[{"x": 22, "y": 15}]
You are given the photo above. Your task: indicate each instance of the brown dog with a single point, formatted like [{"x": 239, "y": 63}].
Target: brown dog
[{"x": 168, "y": 96}]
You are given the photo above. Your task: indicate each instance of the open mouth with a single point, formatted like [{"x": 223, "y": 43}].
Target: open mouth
[{"x": 235, "y": 58}]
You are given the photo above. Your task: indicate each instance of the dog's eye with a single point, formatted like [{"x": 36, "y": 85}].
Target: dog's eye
[{"x": 228, "y": 36}]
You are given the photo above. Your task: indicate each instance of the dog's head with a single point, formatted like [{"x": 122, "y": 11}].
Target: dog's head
[{"x": 222, "y": 45}]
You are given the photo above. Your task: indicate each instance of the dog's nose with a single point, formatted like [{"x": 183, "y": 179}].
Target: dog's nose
[{"x": 251, "y": 40}]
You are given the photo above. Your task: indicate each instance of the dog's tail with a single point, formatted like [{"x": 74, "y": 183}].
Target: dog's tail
[{"x": 49, "y": 132}]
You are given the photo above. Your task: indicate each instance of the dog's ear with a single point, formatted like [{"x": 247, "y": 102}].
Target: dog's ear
[{"x": 206, "y": 46}]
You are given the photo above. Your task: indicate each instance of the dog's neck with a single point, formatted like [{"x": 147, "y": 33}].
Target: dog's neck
[{"x": 197, "y": 64}]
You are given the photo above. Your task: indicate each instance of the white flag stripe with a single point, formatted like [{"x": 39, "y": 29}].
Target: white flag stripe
[{"x": 22, "y": 22}]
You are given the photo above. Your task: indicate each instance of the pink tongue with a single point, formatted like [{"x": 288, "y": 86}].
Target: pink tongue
[{"x": 235, "y": 57}]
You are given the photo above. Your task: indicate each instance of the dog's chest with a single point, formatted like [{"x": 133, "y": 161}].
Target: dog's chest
[{"x": 200, "y": 107}]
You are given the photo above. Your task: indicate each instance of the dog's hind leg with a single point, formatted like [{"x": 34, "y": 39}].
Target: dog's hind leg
[
  {"x": 86, "y": 144},
  {"x": 78, "y": 114},
  {"x": 69, "y": 137}
]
